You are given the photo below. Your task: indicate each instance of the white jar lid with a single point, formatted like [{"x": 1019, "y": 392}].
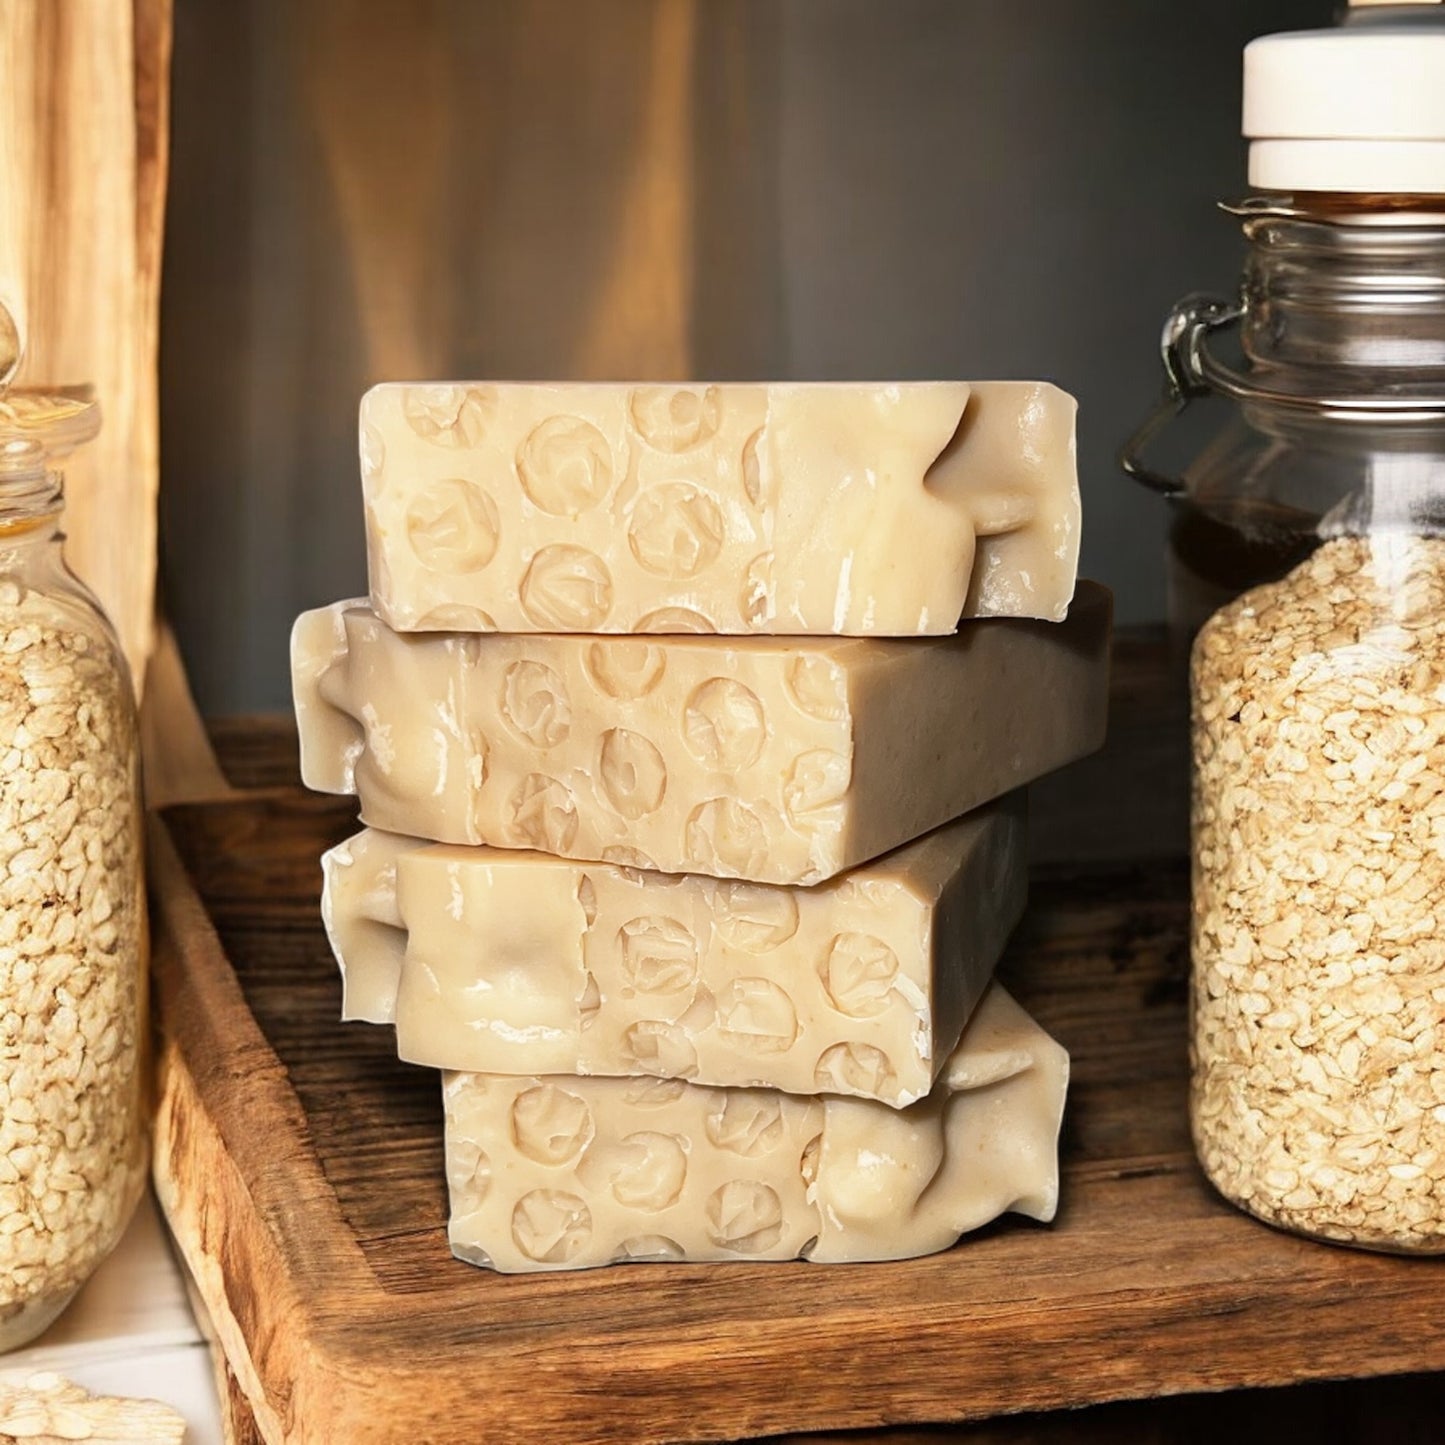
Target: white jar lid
[{"x": 1357, "y": 108}]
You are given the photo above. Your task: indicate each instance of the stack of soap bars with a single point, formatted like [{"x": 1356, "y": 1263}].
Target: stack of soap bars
[{"x": 693, "y": 817}]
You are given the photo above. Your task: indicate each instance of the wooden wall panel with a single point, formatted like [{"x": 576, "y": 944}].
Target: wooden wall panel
[{"x": 83, "y": 116}]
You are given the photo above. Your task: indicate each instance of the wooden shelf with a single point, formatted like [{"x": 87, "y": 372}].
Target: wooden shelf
[{"x": 300, "y": 1166}]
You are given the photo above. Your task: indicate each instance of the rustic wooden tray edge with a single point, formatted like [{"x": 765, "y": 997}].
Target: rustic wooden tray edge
[{"x": 627, "y": 1380}]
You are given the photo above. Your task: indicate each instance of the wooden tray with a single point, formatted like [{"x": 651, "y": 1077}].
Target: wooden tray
[{"x": 300, "y": 1167}]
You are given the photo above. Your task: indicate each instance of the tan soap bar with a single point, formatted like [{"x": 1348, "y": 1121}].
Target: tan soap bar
[
  {"x": 563, "y": 1173},
  {"x": 520, "y": 963},
  {"x": 843, "y": 508},
  {"x": 780, "y": 761}
]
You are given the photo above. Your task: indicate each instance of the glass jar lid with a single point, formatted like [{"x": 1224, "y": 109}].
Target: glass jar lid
[{"x": 38, "y": 424}]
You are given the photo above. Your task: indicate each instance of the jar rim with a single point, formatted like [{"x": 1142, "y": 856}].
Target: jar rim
[
  {"x": 52, "y": 420},
  {"x": 1341, "y": 210}
]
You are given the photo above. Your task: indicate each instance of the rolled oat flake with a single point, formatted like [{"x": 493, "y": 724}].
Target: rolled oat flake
[{"x": 72, "y": 907}]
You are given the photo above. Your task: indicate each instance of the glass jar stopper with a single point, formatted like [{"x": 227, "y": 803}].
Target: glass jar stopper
[{"x": 41, "y": 423}]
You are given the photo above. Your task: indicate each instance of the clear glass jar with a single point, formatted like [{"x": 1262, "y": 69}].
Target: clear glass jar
[
  {"x": 73, "y": 940},
  {"x": 1318, "y": 721}
]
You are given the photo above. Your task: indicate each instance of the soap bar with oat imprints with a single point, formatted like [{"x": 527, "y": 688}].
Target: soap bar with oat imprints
[
  {"x": 824, "y": 508},
  {"x": 515, "y": 962},
  {"x": 772, "y": 759},
  {"x": 565, "y": 1173}
]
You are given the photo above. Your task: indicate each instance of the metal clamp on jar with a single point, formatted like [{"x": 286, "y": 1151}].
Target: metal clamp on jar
[{"x": 1318, "y": 696}]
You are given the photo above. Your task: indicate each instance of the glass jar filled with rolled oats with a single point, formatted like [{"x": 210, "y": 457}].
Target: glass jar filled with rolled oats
[
  {"x": 1318, "y": 680},
  {"x": 72, "y": 904}
]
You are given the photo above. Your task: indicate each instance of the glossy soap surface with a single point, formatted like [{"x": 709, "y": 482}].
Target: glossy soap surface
[
  {"x": 565, "y": 1173},
  {"x": 848, "y": 508},
  {"x": 775, "y": 760},
  {"x": 517, "y": 962}
]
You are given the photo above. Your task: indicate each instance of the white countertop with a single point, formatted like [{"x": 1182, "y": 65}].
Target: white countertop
[{"x": 131, "y": 1332}]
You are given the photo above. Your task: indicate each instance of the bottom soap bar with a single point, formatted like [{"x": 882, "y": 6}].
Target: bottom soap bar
[{"x": 556, "y": 1172}]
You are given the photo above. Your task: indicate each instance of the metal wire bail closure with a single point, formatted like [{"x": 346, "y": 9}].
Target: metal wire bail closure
[
  {"x": 1187, "y": 374},
  {"x": 1192, "y": 370}
]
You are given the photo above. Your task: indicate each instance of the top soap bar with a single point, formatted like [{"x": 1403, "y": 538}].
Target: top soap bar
[{"x": 887, "y": 510}]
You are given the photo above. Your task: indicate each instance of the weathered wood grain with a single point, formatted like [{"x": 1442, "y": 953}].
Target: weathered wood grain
[
  {"x": 85, "y": 116},
  {"x": 1404, "y": 1411},
  {"x": 300, "y": 1166}
]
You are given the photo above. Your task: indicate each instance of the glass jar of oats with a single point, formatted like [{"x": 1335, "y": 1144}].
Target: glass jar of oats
[
  {"x": 72, "y": 904},
  {"x": 1317, "y": 515}
]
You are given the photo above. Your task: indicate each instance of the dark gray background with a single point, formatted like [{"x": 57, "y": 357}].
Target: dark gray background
[{"x": 371, "y": 189}]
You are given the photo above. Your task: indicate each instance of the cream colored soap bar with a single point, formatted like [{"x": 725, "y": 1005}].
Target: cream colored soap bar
[
  {"x": 773, "y": 760},
  {"x": 520, "y": 963},
  {"x": 886, "y": 510},
  {"x": 561, "y": 1173}
]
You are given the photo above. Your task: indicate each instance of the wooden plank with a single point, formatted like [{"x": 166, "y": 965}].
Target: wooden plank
[
  {"x": 180, "y": 764},
  {"x": 1380, "y": 1412},
  {"x": 1076, "y": 815},
  {"x": 259, "y": 750},
  {"x": 300, "y": 1164},
  {"x": 84, "y": 112},
  {"x": 238, "y": 1420}
]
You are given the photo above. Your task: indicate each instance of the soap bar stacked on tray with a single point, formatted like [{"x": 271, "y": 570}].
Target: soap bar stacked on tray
[{"x": 700, "y": 922}]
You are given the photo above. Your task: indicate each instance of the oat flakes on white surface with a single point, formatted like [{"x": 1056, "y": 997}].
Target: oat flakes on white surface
[
  {"x": 1319, "y": 896},
  {"x": 46, "y": 1409},
  {"x": 72, "y": 955}
]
